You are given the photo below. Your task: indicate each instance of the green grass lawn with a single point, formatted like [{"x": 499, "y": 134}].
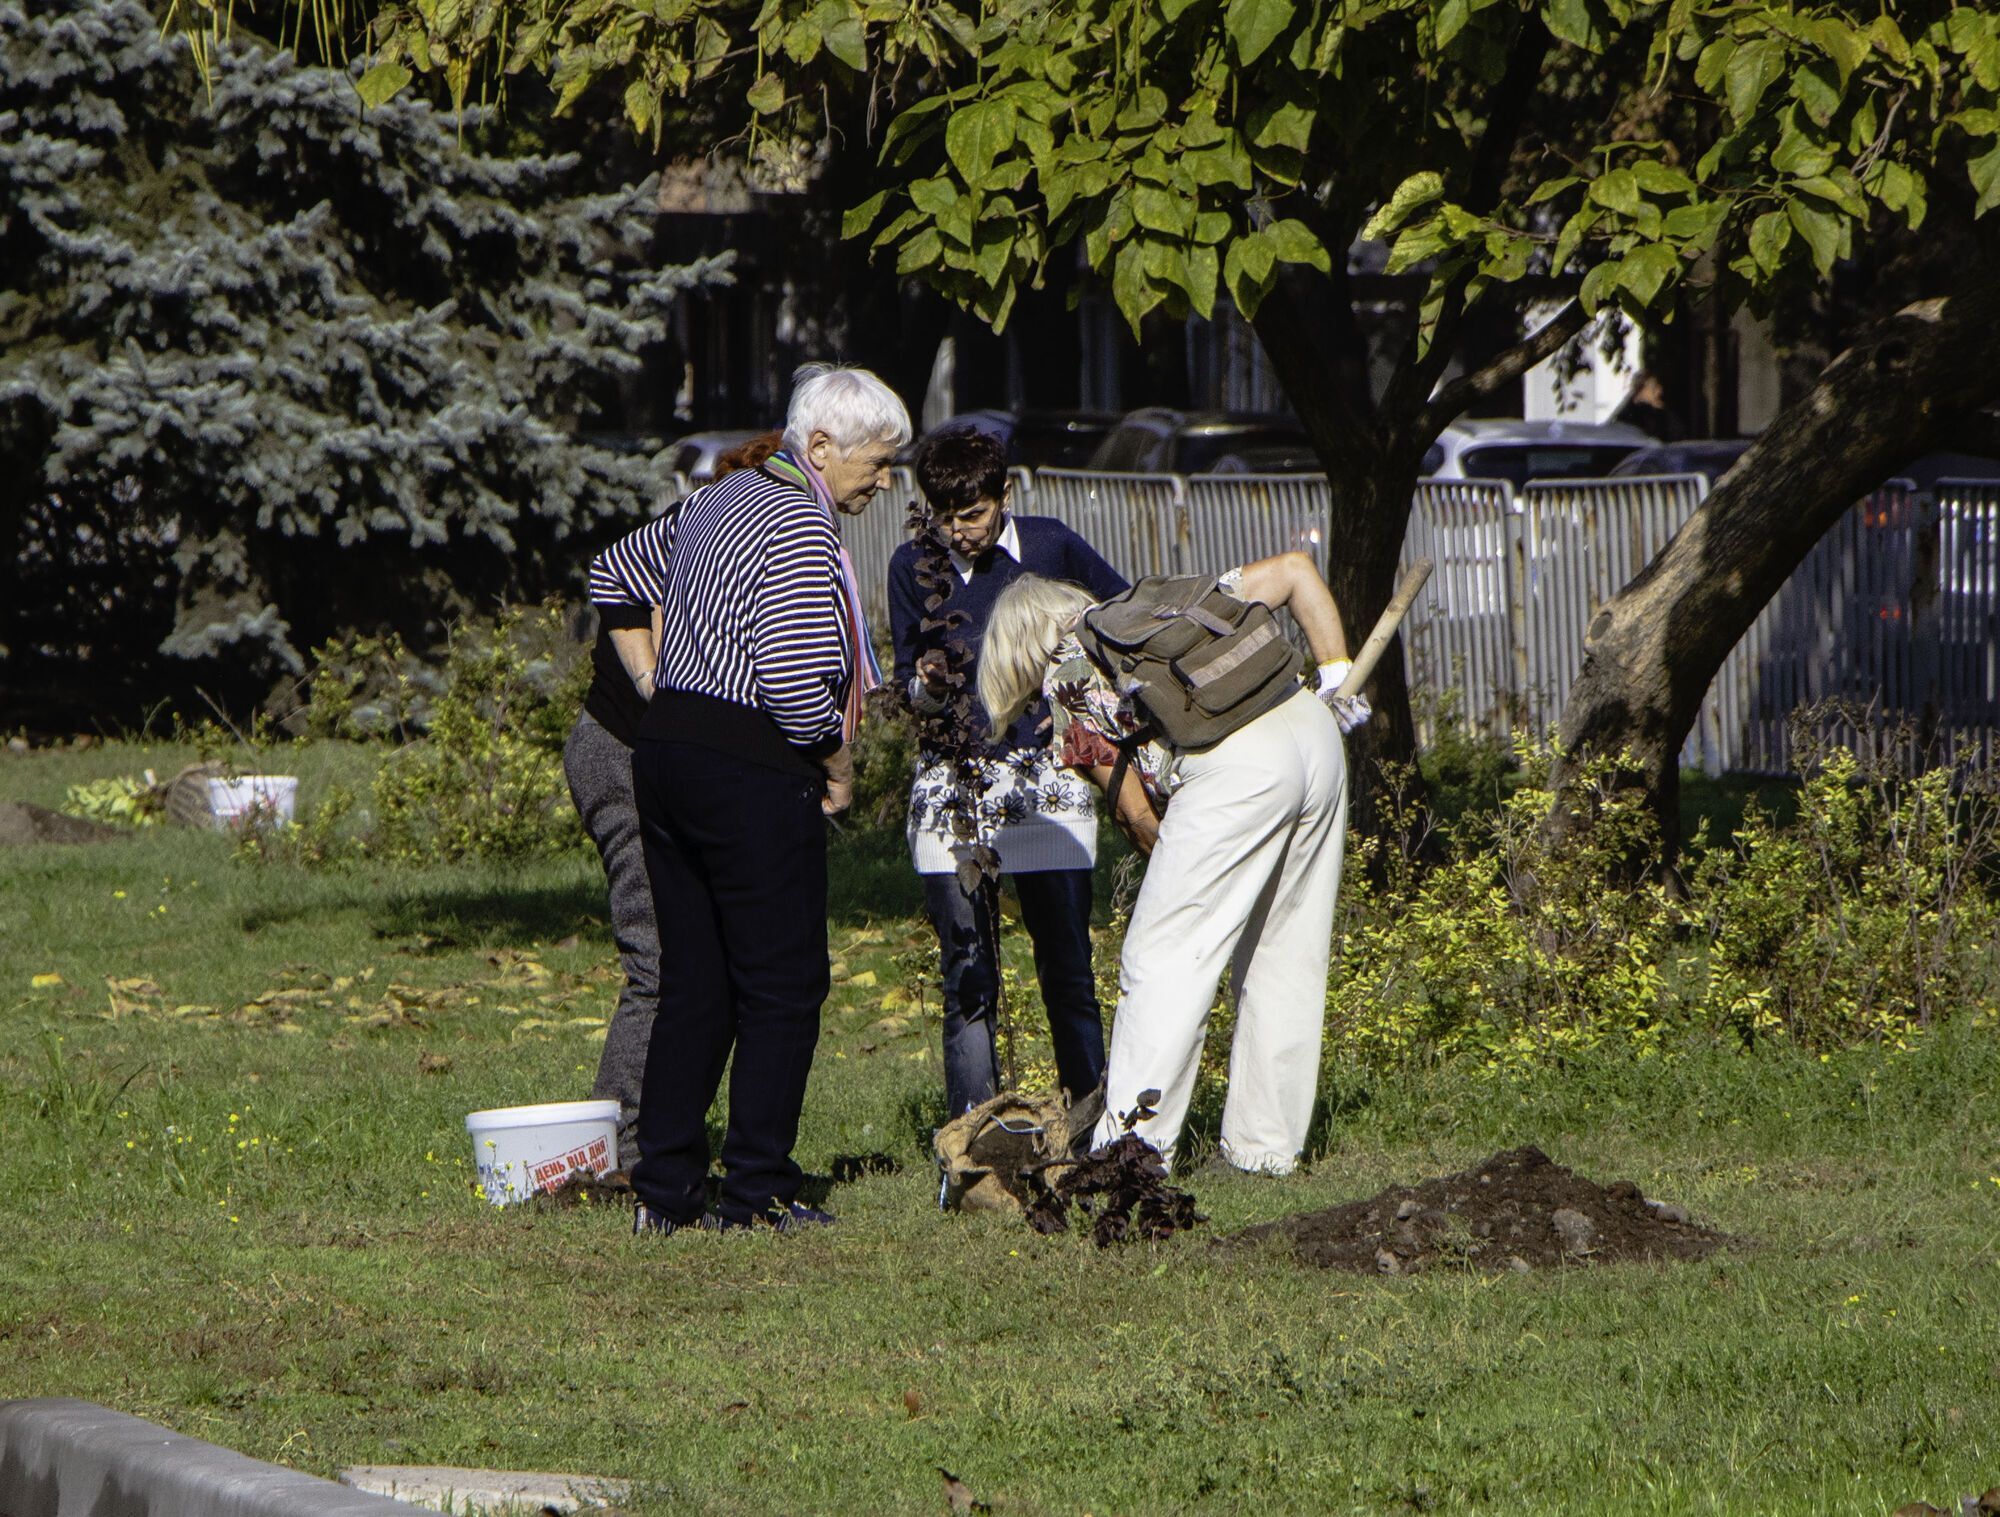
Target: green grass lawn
[{"x": 239, "y": 1201}]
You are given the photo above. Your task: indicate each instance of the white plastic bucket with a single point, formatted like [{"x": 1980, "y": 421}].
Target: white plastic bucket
[
  {"x": 251, "y": 798},
  {"x": 524, "y": 1149}
]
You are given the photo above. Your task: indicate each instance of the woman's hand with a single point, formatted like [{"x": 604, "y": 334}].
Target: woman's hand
[
  {"x": 1131, "y": 809},
  {"x": 839, "y": 795},
  {"x": 1141, "y": 829}
]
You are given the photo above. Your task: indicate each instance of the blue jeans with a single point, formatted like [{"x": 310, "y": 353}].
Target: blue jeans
[{"x": 1055, "y": 908}]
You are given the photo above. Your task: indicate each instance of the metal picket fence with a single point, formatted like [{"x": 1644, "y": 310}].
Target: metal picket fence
[
  {"x": 1464, "y": 634},
  {"x": 1895, "y": 611}
]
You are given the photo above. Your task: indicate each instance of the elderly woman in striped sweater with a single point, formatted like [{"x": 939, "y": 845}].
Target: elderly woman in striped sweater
[{"x": 742, "y": 754}]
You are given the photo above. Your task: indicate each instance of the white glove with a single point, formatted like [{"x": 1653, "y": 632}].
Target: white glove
[{"x": 1348, "y": 710}]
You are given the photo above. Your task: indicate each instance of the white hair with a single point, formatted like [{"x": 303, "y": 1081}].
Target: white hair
[
  {"x": 1022, "y": 631},
  {"x": 852, "y": 406}
]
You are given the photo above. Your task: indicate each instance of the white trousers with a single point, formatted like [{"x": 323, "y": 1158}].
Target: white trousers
[{"x": 1243, "y": 876}]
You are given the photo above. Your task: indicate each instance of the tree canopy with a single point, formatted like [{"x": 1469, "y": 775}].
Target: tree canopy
[{"x": 1197, "y": 147}]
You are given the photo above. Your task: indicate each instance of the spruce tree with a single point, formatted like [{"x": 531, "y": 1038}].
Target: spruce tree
[{"x": 273, "y": 368}]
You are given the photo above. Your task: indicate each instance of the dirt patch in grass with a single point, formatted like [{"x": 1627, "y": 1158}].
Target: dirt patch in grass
[
  {"x": 1517, "y": 1210},
  {"x": 22, "y": 823}
]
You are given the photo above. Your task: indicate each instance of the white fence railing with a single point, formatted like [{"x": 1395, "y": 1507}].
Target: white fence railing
[{"x": 1896, "y": 610}]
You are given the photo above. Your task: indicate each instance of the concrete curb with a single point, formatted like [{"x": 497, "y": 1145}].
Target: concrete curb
[
  {"x": 64, "y": 1458},
  {"x": 446, "y": 1488}
]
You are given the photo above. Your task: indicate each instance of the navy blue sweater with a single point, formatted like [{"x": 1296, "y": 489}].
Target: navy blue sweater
[{"x": 1048, "y": 548}]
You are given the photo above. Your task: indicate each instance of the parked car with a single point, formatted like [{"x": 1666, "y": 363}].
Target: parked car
[
  {"x": 695, "y": 454},
  {"x": 1518, "y": 451},
  {"x": 1273, "y": 458},
  {"x": 1158, "y": 440},
  {"x": 1042, "y": 439},
  {"x": 1710, "y": 457}
]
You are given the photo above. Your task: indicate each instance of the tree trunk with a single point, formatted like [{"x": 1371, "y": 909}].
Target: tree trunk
[
  {"x": 1309, "y": 333},
  {"x": 1651, "y": 653}
]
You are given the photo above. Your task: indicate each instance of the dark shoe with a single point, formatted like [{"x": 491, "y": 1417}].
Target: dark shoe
[
  {"x": 1084, "y": 1115},
  {"x": 795, "y": 1218},
  {"x": 798, "y": 1218},
  {"x": 647, "y": 1223}
]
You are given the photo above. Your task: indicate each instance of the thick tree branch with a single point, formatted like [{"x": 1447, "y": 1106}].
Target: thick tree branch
[
  {"x": 1908, "y": 384},
  {"x": 1451, "y": 401}
]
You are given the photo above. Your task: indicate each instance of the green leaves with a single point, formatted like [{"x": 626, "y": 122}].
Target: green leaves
[
  {"x": 1572, "y": 21},
  {"x": 863, "y": 216},
  {"x": 1985, "y": 174},
  {"x": 1752, "y": 70},
  {"x": 382, "y": 83},
  {"x": 1247, "y": 271},
  {"x": 1617, "y": 191},
  {"x": 1253, "y": 25},
  {"x": 1294, "y": 242},
  {"x": 976, "y": 135},
  {"x": 1769, "y": 236},
  {"x": 1821, "y": 230},
  {"x": 1418, "y": 190}
]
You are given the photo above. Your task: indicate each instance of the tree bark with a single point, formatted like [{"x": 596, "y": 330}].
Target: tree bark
[{"x": 1905, "y": 387}]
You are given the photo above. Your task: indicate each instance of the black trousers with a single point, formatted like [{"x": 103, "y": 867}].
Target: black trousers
[{"x": 736, "y": 854}]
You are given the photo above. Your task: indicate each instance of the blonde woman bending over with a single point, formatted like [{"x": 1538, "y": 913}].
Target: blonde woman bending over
[{"x": 1244, "y": 862}]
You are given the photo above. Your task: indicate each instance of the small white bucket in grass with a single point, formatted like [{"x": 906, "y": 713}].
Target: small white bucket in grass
[
  {"x": 524, "y": 1149},
  {"x": 254, "y": 799}
]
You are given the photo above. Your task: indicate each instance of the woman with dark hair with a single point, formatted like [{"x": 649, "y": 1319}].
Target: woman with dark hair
[{"x": 992, "y": 788}]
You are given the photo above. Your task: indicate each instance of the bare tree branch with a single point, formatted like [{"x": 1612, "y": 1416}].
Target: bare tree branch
[{"x": 1452, "y": 400}]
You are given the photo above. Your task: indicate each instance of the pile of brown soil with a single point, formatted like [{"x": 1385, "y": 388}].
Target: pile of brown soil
[
  {"x": 22, "y": 823},
  {"x": 1517, "y": 1210}
]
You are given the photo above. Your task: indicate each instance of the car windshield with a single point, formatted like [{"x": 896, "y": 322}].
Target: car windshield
[
  {"x": 1123, "y": 449},
  {"x": 1055, "y": 445},
  {"x": 1196, "y": 452},
  {"x": 1519, "y": 462}
]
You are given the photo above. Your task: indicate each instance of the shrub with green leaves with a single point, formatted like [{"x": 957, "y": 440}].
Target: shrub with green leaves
[
  {"x": 1865, "y": 919},
  {"x": 487, "y": 782}
]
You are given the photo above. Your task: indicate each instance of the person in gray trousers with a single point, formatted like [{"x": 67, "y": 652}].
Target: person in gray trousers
[{"x": 597, "y": 762}]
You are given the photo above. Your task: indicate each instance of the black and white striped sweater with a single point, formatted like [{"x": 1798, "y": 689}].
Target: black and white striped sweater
[{"x": 746, "y": 572}]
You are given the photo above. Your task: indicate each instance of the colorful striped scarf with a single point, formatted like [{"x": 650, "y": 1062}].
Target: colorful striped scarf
[{"x": 867, "y": 669}]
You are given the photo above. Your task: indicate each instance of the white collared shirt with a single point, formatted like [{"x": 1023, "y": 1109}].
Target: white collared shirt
[{"x": 1009, "y": 544}]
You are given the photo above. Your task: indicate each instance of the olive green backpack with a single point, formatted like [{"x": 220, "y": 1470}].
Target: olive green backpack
[{"x": 1199, "y": 663}]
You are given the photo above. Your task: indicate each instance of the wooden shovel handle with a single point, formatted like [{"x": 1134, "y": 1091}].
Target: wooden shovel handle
[{"x": 1385, "y": 627}]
